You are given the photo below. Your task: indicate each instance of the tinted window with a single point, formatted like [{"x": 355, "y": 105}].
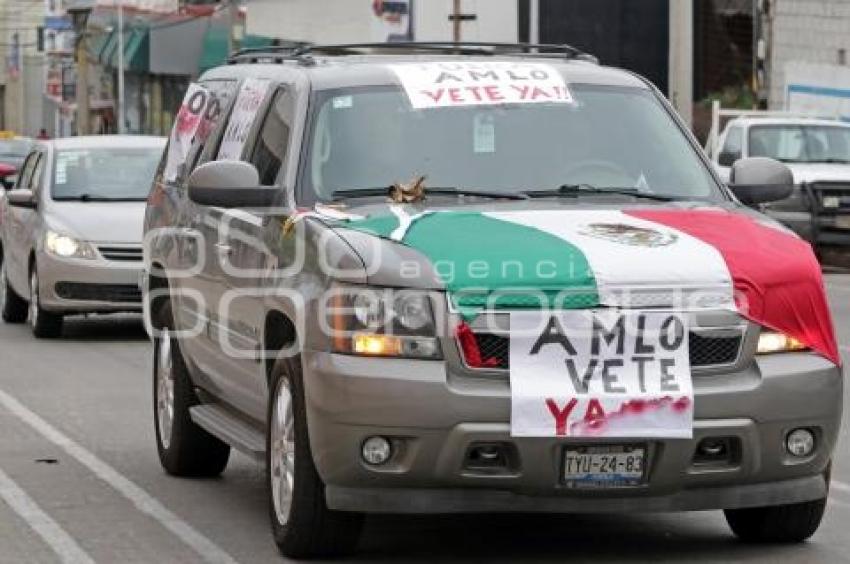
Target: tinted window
[
  {"x": 801, "y": 143},
  {"x": 610, "y": 137},
  {"x": 104, "y": 173},
  {"x": 272, "y": 144}
]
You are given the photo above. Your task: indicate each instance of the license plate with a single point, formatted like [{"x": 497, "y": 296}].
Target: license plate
[
  {"x": 843, "y": 222},
  {"x": 608, "y": 466}
]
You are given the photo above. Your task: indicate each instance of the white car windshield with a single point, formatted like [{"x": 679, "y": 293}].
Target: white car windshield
[
  {"x": 610, "y": 137},
  {"x": 801, "y": 143},
  {"x": 112, "y": 174}
]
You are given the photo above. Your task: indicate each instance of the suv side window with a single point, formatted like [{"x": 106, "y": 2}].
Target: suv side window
[
  {"x": 732, "y": 147},
  {"x": 222, "y": 93},
  {"x": 272, "y": 145}
]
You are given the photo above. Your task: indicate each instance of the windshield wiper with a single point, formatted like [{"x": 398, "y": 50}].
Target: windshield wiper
[
  {"x": 576, "y": 189},
  {"x": 372, "y": 192},
  {"x": 832, "y": 161}
]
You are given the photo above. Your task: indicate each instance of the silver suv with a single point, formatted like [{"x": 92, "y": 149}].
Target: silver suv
[{"x": 431, "y": 278}]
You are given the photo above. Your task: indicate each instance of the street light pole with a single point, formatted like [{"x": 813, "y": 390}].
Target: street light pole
[
  {"x": 80, "y": 11},
  {"x": 121, "y": 109}
]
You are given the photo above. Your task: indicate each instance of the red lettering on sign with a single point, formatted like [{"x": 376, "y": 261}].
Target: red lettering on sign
[
  {"x": 594, "y": 411},
  {"x": 539, "y": 93},
  {"x": 474, "y": 90},
  {"x": 455, "y": 95},
  {"x": 523, "y": 90},
  {"x": 492, "y": 93},
  {"x": 560, "y": 415},
  {"x": 436, "y": 95}
]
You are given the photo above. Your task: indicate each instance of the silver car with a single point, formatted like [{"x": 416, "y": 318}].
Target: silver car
[
  {"x": 570, "y": 313},
  {"x": 71, "y": 230}
]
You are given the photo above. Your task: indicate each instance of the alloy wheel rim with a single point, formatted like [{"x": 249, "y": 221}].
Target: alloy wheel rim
[
  {"x": 282, "y": 452},
  {"x": 34, "y": 299},
  {"x": 165, "y": 389}
]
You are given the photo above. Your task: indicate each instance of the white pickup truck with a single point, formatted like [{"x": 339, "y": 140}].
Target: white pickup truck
[{"x": 818, "y": 154}]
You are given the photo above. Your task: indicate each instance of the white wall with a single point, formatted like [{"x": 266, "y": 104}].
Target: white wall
[
  {"x": 350, "y": 21},
  {"x": 805, "y": 31},
  {"x": 496, "y": 20}
]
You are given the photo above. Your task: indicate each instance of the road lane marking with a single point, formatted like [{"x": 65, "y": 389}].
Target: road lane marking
[
  {"x": 65, "y": 547},
  {"x": 143, "y": 501}
]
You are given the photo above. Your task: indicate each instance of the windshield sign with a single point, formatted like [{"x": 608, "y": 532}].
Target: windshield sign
[
  {"x": 801, "y": 143},
  {"x": 618, "y": 138},
  {"x": 104, "y": 174}
]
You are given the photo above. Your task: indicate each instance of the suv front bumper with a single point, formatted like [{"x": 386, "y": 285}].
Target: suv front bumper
[{"x": 433, "y": 415}]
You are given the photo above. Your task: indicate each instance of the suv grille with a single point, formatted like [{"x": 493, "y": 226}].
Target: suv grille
[
  {"x": 119, "y": 293},
  {"x": 123, "y": 254},
  {"x": 832, "y": 190},
  {"x": 705, "y": 351}
]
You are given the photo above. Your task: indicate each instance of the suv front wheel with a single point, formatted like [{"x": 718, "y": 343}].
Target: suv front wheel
[
  {"x": 184, "y": 448},
  {"x": 302, "y": 524}
]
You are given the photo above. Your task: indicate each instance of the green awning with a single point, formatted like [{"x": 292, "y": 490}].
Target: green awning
[
  {"x": 136, "y": 51},
  {"x": 108, "y": 48},
  {"x": 96, "y": 43},
  {"x": 216, "y": 45}
]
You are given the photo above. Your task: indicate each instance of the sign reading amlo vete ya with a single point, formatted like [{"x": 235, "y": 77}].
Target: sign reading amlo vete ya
[
  {"x": 604, "y": 373},
  {"x": 448, "y": 84}
]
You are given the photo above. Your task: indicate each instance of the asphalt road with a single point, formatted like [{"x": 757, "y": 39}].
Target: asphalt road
[{"x": 80, "y": 481}]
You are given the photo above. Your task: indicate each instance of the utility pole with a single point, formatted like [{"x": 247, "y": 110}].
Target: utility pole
[
  {"x": 456, "y": 21},
  {"x": 681, "y": 58},
  {"x": 121, "y": 101},
  {"x": 534, "y": 21},
  {"x": 80, "y": 12}
]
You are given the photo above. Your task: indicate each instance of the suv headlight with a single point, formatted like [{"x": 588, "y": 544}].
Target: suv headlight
[
  {"x": 382, "y": 322},
  {"x": 66, "y": 246},
  {"x": 775, "y": 342}
]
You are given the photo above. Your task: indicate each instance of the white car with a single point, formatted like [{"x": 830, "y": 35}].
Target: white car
[{"x": 818, "y": 154}]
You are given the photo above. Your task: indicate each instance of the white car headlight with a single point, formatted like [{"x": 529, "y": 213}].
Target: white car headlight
[
  {"x": 775, "y": 342},
  {"x": 831, "y": 202},
  {"x": 66, "y": 246}
]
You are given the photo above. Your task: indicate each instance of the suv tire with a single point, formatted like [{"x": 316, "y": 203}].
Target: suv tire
[
  {"x": 302, "y": 524},
  {"x": 13, "y": 306},
  {"x": 44, "y": 324},
  {"x": 184, "y": 448},
  {"x": 790, "y": 523}
]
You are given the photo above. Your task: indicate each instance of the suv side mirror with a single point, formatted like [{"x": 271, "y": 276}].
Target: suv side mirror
[
  {"x": 728, "y": 158},
  {"x": 21, "y": 198},
  {"x": 229, "y": 184},
  {"x": 757, "y": 180}
]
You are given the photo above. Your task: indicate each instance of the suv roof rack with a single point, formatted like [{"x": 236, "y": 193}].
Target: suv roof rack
[{"x": 302, "y": 52}]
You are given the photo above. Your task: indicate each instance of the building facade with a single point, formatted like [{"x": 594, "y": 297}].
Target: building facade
[{"x": 808, "y": 55}]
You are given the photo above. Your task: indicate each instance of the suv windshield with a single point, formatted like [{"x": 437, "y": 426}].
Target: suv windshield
[
  {"x": 610, "y": 137},
  {"x": 801, "y": 143},
  {"x": 104, "y": 173}
]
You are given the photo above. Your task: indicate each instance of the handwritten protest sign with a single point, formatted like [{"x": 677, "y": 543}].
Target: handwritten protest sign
[
  {"x": 186, "y": 124},
  {"x": 245, "y": 109},
  {"x": 438, "y": 85},
  {"x": 604, "y": 373}
]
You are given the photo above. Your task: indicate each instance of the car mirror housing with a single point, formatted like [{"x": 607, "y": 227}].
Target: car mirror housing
[
  {"x": 229, "y": 184},
  {"x": 757, "y": 180},
  {"x": 21, "y": 198}
]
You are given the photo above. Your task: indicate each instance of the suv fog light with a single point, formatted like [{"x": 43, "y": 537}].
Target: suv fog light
[
  {"x": 800, "y": 442},
  {"x": 376, "y": 450}
]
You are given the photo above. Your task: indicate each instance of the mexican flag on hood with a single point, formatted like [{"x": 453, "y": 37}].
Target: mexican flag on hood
[{"x": 706, "y": 258}]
